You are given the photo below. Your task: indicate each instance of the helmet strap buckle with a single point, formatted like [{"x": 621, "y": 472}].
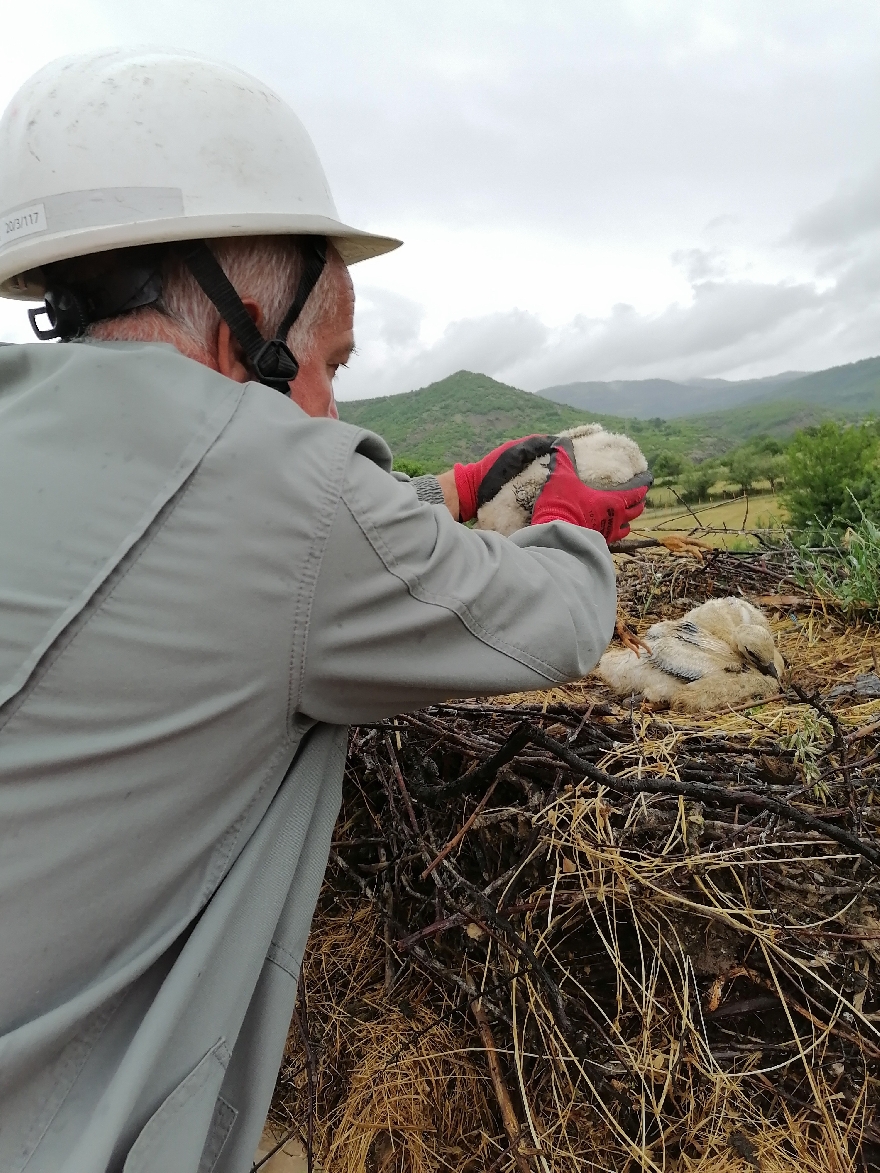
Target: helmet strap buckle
[
  {"x": 275, "y": 365},
  {"x": 66, "y": 311},
  {"x": 72, "y": 310},
  {"x": 43, "y": 335}
]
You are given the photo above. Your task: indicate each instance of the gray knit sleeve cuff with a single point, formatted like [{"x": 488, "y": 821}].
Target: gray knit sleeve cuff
[{"x": 428, "y": 490}]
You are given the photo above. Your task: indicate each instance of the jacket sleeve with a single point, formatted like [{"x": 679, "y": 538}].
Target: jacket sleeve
[{"x": 410, "y": 607}]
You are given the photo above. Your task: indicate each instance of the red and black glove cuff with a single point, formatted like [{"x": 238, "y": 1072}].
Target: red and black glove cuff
[{"x": 479, "y": 482}]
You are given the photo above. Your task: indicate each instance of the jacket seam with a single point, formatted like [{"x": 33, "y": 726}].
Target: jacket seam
[
  {"x": 449, "y": 603},
  {"x": 43, "y": 1123},
  {"x": 309, "y": 581},
  {"x": 65, "y": 640},
  {"x": 228, "y": 843},
  {"x": 125, "y": 556},
  {"x": 282, "y": 958}
]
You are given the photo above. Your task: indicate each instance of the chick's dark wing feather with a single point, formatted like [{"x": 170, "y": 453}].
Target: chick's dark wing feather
[{"x": 686, "y": 651}]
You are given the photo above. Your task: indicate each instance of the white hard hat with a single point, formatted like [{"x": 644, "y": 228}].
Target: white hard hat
[{"x": 124, "y": 147}]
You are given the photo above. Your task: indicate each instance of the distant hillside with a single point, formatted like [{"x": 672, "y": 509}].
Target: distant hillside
[
  {"x": 458, "y": 419},
  {"x": 766, "y": 382},
  {"x": 778, "y": 418},
  {"x": 852, "y": 390},
  {"x": 654, "y": 398},
  {"x": 466, "y": 415}
]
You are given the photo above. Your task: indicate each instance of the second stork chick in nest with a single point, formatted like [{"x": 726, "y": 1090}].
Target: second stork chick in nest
[{"x": 718, "y": 654}]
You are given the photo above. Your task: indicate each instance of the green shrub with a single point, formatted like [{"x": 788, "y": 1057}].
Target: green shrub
[
  {"x": 743, "y": 469},
  {"x": 412, "y": 468},
  {"x": 667, "y": 464},
  {"x": 772, "y": 468},
  {"x": 831, "y": 476},
  {"x": 845, "y": 571},
  {"x": 696, "y": 483}
]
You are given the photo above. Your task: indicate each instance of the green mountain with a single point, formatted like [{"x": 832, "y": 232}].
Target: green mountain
[
  {"x": 649, "y": 398},
  {"x": 460, "y": 418},
  {"x": 778, "y": 418},
  {"x": 851, "y": 391},
  {"x": 466, "y": 415}
]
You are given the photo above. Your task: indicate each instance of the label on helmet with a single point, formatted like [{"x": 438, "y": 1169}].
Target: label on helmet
[{"x": 22, "y": 222}]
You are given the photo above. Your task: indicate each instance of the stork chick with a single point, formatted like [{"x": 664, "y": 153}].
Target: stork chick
[
  {"x": 718, "y": 654},
  {"x": 605, "y": 460}
]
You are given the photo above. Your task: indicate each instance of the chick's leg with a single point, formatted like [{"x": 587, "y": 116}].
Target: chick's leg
[
  {"x": 629, "y": 639},
  {"x": 676, "y": 544}
]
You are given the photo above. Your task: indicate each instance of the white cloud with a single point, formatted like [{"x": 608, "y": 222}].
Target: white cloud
[
  {"x": 851, "y": 213},
  {"x": 731, "y": 327}
]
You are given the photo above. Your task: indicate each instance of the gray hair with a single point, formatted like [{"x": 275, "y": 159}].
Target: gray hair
[{"x": 264, "y": 268}]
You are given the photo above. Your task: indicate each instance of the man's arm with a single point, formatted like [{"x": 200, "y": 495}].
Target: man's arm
[
  {"x": 436, "y": 490},
  {"x": 410, "y": 608},
  {"x": 446, "y": 481}
]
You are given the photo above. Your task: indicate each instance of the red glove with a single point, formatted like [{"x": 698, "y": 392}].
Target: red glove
[
  {"x": 565, "y": 497},
  {"x": 478, "y": 483}
]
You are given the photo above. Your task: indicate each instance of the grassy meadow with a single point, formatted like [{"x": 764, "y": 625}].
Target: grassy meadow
[{"x": 726, "y": 510}]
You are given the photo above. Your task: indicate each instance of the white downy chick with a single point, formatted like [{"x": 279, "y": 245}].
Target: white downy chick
[
  {"x": 605, "y": 460},
  {"x": 720, "y": 653}
]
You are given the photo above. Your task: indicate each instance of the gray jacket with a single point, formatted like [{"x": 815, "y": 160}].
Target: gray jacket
[{"x": 200, "y": 588}]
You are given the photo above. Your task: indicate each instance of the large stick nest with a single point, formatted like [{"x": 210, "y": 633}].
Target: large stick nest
[{"x": 561, "y": 934}]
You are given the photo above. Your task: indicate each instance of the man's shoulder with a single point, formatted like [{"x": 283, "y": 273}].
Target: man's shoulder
[
  {"x": 93, "y": 373},
  {"x": 149, "y": 394}
]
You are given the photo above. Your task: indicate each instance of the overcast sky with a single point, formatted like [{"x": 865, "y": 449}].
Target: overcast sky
[{"x": 587, "y": 189}]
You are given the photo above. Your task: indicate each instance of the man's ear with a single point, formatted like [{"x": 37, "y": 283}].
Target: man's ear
[{"x": 231, "y": 360}]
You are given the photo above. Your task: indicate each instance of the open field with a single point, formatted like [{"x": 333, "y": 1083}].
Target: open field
[
  {"x": 669, "y": 497},
  {"x": 760, "y": 511}
]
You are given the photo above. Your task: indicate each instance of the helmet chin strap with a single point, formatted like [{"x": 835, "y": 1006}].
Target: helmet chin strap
[
  {"x": 70, "y": 309},
  {"x": 271, "y": 359}
]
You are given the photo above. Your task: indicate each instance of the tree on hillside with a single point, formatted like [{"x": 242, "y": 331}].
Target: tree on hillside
[
  {"x": 766, "y": 446},
  {"x": 832, "y": 474},
  {"x": 772, "y": 468},
  {"x": 667, "y": 464},
  {"x": 412, "y": 468},
  {"x": 742, "y": 468},
  {"x": 757, "y": 461},
  {"x": 696, "y": 483}
]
